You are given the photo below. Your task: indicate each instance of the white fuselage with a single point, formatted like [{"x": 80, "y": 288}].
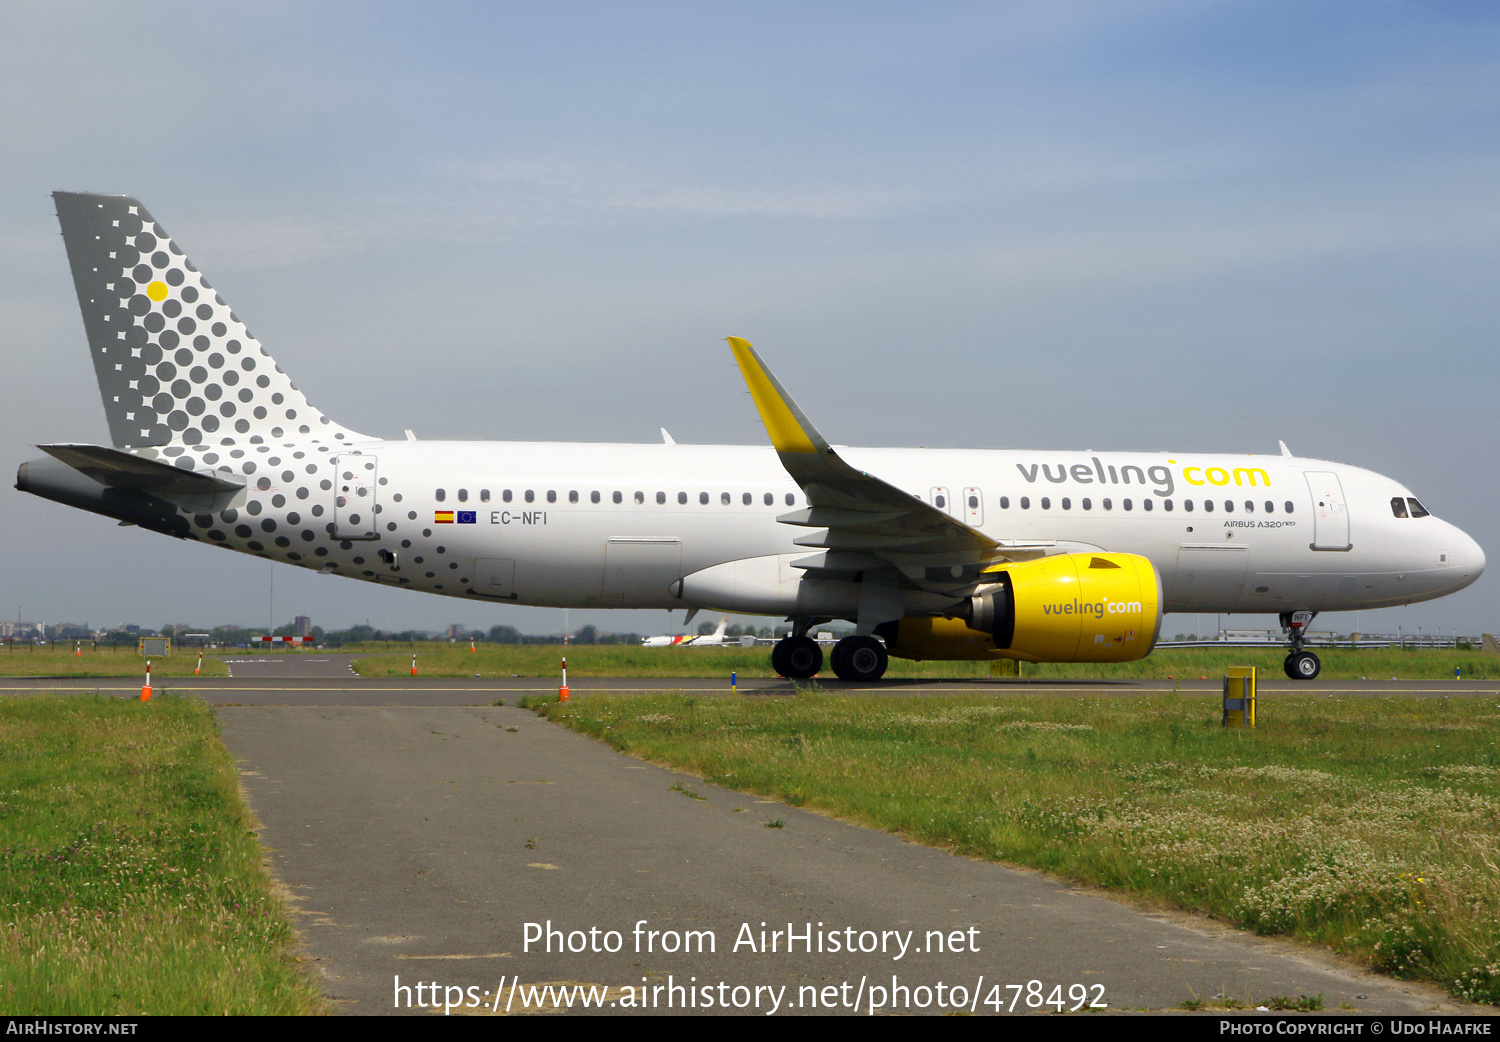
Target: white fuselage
[{"x": 671, "y": 526}]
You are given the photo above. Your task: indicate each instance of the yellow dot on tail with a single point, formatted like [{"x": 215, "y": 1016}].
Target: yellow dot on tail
[{"x": 157, "y": 291}]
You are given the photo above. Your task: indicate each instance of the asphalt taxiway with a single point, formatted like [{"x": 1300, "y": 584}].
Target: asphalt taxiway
[
  {"x": 317, "y": 679},
  {"x": 418, "y": 828}
]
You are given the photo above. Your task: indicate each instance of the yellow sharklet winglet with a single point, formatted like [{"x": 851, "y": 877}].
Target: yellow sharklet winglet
[{"x": 788, "y": 427}]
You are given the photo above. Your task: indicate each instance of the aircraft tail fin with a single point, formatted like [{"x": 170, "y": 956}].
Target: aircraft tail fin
[{"x": 176, "y": 367}]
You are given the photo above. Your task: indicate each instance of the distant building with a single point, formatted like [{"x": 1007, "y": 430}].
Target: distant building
[
  {"x": 457, "y": 631},
  {"x": 302, "y": 625}
]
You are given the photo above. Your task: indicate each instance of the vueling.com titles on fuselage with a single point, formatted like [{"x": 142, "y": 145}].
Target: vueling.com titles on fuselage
[{"x": 1160, "y": 477}]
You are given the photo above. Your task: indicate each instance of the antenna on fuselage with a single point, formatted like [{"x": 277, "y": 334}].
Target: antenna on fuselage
[{"x": 1284, "y": 450}]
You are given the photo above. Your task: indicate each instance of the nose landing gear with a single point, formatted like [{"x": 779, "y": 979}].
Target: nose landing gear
[{"x": 1299, "y": 664}]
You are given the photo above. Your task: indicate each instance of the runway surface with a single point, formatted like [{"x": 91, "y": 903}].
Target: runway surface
[{"x": 418, "y": 829}]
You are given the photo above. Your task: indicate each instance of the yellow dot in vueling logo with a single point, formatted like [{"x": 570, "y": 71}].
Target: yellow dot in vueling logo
[{"x": 157, "y": 290}]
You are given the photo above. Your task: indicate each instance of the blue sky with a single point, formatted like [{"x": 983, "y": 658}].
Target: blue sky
[{"x": 1189, "y": 226}]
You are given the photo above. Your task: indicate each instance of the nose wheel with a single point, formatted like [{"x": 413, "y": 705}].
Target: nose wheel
[
  {"x": 1302, "y": 665},
  {"x": 1299, "y": 664},
  {"x": 859, "y": 659}
]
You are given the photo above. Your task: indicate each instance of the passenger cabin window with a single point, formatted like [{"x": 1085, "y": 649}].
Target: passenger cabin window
[
  {"x": 530, "y": 496},
  {"x": 1025, "y": 502},
  {"x": 1187, "y": 504},
  {"x": 617, "y": 497},
  {"x": 1288, "y": 506},
  {"x": 1004, "y": 502},
  {"x": 1417, "y": 509},
  {"x": 573, "y": 496},
  {"x": 441, "y": 495},
  {"x": 747, "y": 499},
  {"x": 661, "y": 498},
  {"x": 770, "y": 499},
  {"x": 1146, "y": 504},
  {"x": 1208, "y": 506},
  {"x": 1046, "y": 502},
  {"x": 724, "y": 499},
  {"x": 640, "y": 498},
  {"x": 1270, "y": 507},
  {"x": 1067, "y": 504},
  {"x": 791, "y": 500},
  {"x": 463, "y": 495},
  {"x": 681, "y": 498},
  {"x": 505, "y": 495},
  {"x": 1088, "y": 504},
  {"x": 551, "y": 495},
  {"x": 1126, "y": 504},
  {"x": 703, "y": 498},
  {"x": 1228, "y": 506},
  {"x": 484, "y": 495},
  {"x": 1109, "y": 504},
  {"x": 1166, "y": 505},
  {"x": 593, "y": 497}
]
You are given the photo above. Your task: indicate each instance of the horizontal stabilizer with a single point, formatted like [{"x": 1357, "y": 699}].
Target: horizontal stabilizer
[{"x": 203, "y": 493}]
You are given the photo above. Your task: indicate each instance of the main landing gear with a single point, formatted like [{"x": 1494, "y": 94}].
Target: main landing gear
[
  {"x": 1299, "y": 664},
  {"x": 858, "y": 659},
  {"x": 797, "y": 657}
]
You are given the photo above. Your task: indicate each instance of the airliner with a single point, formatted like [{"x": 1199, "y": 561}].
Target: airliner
[
  {"x": 931, "y": 554},
  {"x": 702, "y": 640}
]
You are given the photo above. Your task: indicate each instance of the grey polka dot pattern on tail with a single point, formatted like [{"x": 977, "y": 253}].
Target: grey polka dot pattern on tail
[{"x": 146, "y": 305}]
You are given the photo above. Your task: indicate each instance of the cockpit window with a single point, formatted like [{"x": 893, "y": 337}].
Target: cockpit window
[
  {"x": 1398, "y": 506},
  {"x": 1417, "y": 509}
]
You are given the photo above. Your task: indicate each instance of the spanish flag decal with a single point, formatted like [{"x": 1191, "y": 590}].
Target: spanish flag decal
[{"x": 442, "y": 517}]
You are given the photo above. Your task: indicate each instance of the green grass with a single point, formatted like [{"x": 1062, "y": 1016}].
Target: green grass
[
  {"x": 615, "y": 660},
  {"x": 59, "y": 661},
  {"x": 130, "y": 875},
  {"x": 1371, "y": 826}
]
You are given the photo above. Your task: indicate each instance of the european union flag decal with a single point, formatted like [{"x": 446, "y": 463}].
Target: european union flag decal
[{"x": 468, "y": 517}]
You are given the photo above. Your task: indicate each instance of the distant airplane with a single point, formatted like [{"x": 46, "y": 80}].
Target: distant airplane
[
  {"x": 684, "y": 641},
  {"x": 716, "y": 637},
  {"x": 947, "y": 554}
]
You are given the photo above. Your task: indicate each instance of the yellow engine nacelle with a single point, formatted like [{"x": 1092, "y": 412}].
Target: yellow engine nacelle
[{"x": 1065, "y": 608}]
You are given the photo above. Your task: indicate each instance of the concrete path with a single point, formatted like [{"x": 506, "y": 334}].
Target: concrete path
[{"x": 418, "y": 842}]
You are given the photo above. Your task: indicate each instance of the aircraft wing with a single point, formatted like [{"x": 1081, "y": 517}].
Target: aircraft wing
[
  {"x": 868, "y": 524},
  {"x": 115, "y": 469}
]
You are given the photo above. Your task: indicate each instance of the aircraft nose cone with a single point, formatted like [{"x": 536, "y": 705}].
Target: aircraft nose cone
[
  {"x": 1473, "y": 556},
  {"x": 1467, "y": 558}
]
